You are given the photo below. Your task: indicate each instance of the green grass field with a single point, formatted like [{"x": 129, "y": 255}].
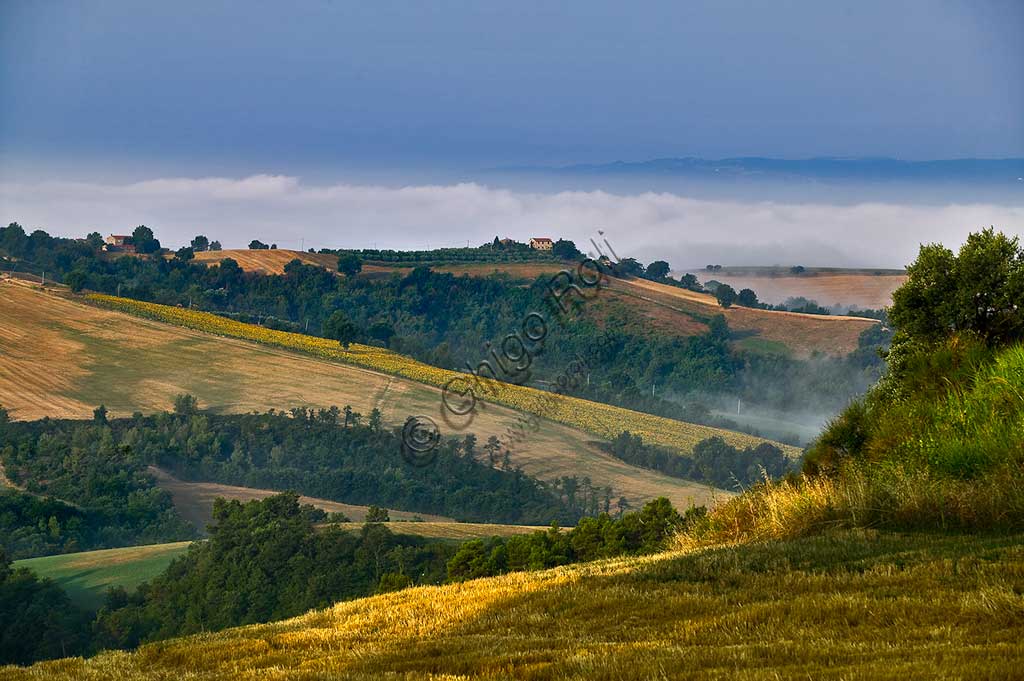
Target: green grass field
[{"x": 86, "y": 576}]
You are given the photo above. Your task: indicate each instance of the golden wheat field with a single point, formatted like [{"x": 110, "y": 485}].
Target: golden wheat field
[
  {"x": 267, "y": 261},
  {"x": 852, "y": 605},
  {"x": 600, "y": 419},
  {"x": 61, "y": 358}
]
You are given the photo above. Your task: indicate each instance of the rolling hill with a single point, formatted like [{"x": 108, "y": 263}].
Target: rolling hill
[
  {"x": 844, "y": 605},
  {"x": 794, "y": 332},
  {"x": 669, "y": 309},
  {"x": 61, "y": 358}
]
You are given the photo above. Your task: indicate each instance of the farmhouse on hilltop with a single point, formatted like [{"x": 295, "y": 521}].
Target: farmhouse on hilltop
[
  {"x": 119, "y": 242},
  {"x": 541, "y": 243}
]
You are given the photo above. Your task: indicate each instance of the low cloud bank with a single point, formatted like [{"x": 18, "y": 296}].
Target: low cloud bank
[{"x": 685, "y": 231}]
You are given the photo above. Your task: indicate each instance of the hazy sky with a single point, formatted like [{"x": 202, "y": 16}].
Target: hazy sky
[
  {"x": 349, "y": 123},
  {"x": 246, "y": 86}
]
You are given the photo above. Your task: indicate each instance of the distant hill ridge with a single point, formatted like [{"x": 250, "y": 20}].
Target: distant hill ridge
[{"x": 1005, "y": 170}]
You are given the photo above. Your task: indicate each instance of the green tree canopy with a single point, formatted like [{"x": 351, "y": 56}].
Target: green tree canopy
[
  {"x": 658, "y": 269},
  {"x": 144, "y": 241},
  {"x": 979, "y": 290},
  {"x": 726, "y": 295},
  {"x": 349, "y": 264}
]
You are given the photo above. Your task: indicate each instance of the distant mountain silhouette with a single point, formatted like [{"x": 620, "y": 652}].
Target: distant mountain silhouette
[{"x": 1008, "y": 170}]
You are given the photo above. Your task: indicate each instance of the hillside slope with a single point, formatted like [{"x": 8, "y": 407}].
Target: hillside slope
[
  {"x": 852, "y": 605},
  {"x": 677, "y": 311},
  {"x": 60, "y": 358},
  {"x": 802, "y": 334}
]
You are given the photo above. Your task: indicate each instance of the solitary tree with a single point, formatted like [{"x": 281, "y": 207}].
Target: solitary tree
[
  {"x": 726, "y": 295},
  {"x": 200, "y": 243},
  {"x": 747, "y": 298}
]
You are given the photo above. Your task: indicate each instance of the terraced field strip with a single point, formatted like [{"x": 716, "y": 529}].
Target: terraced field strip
[{"x": 600, "y": 419}]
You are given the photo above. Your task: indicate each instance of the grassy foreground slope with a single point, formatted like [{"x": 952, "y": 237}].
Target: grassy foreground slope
[
  {"x": 850, "y": 605},
  {"x": 60, "y": 358}
]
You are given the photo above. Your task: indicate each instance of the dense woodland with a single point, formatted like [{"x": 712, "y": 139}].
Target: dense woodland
[
  {"x": 447, "y": 321},
  {"x": 713, "y": 461},
  {"x": 87, "y": 487}
]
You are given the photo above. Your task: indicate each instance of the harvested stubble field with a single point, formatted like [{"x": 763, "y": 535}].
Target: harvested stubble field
[
  {"x": 61, "y": 358},
  {"x": 267, "y": 261},
  {"x": 864, "y": 291},
  {"x": 850, "y": 605},
  {"x": 801, "y": 334}
]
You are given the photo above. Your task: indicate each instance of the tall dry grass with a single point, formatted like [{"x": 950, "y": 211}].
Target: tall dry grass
[{"x": 866, "y": 496}]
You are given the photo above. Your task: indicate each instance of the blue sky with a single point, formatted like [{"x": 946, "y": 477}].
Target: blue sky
[
  {"x": 245, "y": 86},
  {"x": 355, "y": 124}
]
